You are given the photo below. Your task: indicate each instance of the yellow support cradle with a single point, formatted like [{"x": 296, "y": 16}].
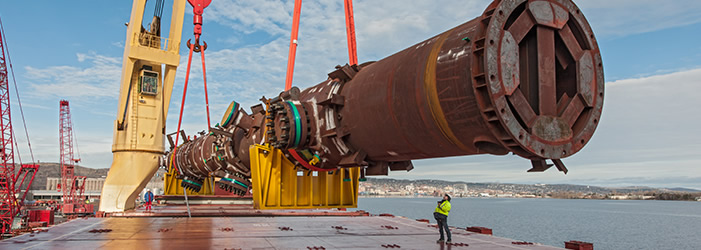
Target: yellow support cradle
[
  {"x": 171, "y": 185},
  {"x": 277, "y": 184}
]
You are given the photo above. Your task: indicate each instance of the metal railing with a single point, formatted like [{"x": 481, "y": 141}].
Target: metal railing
[{"x": 154, "y": 41}]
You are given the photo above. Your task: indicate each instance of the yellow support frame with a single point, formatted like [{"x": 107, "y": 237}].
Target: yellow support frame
[
  {"x": 278, "y": 185},
  {"x": 171, "y": 185}
]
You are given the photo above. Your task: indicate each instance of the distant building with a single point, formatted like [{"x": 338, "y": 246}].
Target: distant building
[
  {"x": 91, "y": 184},
  {"x": 619, "y": 197},
  {"x": 56, "y": 195}
]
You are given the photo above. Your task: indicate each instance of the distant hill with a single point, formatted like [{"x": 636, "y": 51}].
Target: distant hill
[
  {"x": 537, "y": 188},
  {"x": 48, "y": 169},
  {"x": 684, "y": 190},
  {"x": 493, "y": 186}
]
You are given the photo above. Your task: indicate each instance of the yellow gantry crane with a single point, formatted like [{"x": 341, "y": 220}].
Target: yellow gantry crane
[{"x": 148, "y": 72}]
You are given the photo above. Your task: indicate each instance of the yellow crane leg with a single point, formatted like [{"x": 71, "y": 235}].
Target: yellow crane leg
[
  {"x": 149, "y": 65},
  {"x": 278, "y": 184},
  {"x": 120, "y": 192}
]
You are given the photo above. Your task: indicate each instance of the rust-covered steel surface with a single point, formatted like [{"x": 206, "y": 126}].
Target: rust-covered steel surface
[
  {"x": 303, "y": 232},
  {"x": 525, "y": 77}
]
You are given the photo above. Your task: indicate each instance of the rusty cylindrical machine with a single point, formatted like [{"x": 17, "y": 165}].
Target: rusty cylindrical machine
[{"x": 525, "y": 77}]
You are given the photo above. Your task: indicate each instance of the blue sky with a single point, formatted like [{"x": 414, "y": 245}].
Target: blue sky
[{"x": 648, "y": 135}]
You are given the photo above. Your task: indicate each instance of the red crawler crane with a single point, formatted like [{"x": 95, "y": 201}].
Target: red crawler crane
[
  {"x": 10, "y": 200},
  {"x": 71, "y": 185}
]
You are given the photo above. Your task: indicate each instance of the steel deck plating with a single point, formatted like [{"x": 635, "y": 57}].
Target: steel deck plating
[{"x": 259, "y": 229}]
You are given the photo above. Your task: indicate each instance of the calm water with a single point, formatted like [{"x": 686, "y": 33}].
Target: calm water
[{"x": 606, "y": 223}]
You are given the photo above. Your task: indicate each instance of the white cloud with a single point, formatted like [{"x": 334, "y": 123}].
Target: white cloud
[
  {"x": 381, "y": 32},
  {"x": 248, "y": 16},
  {"x": 92, "y": 87},
  {"x": 119, "y": 44},
  {"x": 99, "y": 79},
  {"x": 625, "y": 17}
]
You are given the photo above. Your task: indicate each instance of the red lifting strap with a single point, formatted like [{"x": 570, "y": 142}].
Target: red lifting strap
[
  {"x": 197, "y": 9},
  {"x": 350, "y": 32},
  {"x": 293, "y": 44}
]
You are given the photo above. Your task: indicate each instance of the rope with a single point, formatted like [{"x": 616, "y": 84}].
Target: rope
[
  {"x": 21, "y": 111},
  {"x": 182, "y": 103},
  {"x": 19, "y": 155},
  {"x": 206, "y": 96},
  {"x": 187, "y": 203},
  {"x": 74, "y": 137},
  {"x": 158, "y": 10}
]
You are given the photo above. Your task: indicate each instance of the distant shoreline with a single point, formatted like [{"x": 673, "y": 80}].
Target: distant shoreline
[
  {"x": 434, "y": 188},
  {"x": 494, "y": 197}
]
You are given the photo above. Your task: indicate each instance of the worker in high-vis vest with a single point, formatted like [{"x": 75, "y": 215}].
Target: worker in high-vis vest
[{"x": 441, "y": 216}]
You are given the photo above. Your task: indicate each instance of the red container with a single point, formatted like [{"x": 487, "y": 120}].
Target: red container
[
  {"x": 31, "y": 216},
  {"x": 89, "y": 208},
  {"x": 34, "y": 215},
  {"x": 67, "y": 208},
  {"x": 579, "y": 245},
  {"x": 47, "y": 216},
  {"x": 480, "y": 230}
]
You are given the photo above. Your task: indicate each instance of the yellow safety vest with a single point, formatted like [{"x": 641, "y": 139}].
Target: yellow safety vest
[{"x": 443, "y": 208}]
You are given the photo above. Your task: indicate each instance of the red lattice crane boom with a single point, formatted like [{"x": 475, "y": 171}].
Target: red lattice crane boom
[
  {"x": 70, "y": 183},
  {"x": 10, "y": 200}
]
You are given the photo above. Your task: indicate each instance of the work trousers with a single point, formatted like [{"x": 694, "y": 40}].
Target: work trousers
[
  {"x": 148, "y": 206},
  {"x": 442, "y": 220}
]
